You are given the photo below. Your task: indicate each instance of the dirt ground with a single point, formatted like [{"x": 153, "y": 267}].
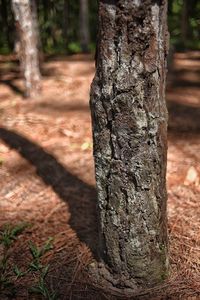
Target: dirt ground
[{"x": 47, "y": 176}]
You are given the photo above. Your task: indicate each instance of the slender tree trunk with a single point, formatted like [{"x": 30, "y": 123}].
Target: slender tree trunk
[
  {"x": 84, "y": 26},
  {"x": 185, "y": 22},
  {"x": 130, "y": 141},
  {"x": 65, "y": 21},
  {"x": 45, "y": 4},
  {"x": 36, "y": 30},
  {"x": 46, "y": 11},
  {"x": 170, "y": 6},
  {"x": 4, "y": 13},
  {"x": 28, "y": 35},
  {"x": 35, "y": 23}
]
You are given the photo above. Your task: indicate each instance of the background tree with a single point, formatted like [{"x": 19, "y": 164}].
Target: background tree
[
  {"x": 26, "y": 25},
  {"x": 5, "y": 19},
  {"x": 129, "y": 130},
  {"x": 59, "y": 25},
  {"x": 34, "y": 14},
  {"x": 183, "y": 20},
  {"x": 7, "y": 27},
  {"x": 65, "y": 21},
  {"x": 84, "y": 25}
]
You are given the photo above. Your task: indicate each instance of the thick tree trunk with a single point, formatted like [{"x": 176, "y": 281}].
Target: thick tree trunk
[
  {"x": 130, "y": 140},
  {"x": 84, "y": 26},
  {"x": 28, "y": 35}
]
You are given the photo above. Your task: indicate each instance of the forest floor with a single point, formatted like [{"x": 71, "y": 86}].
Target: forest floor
[{"x": 47, "y": 179}]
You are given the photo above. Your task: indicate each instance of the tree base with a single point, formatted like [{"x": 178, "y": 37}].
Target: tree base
[{"x": 121, "y": 286}]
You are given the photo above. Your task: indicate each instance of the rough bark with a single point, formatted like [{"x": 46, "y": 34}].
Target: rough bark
[
  {"x": 129, "y": 131},
  {"x": 84, "y": 26},
  {"x": 28, "y": 36}
]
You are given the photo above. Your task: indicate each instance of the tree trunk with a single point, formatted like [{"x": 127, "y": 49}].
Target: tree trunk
[
  {"x": 34, "y": 13},
  {"x": 6, "y": 27},
  {"x": 65, "y": 21},
  {"x": 46, "y": 8},
  {"x": 84, "y": 26},
  {"x": 130, "y": 141},
  {"x": 35, "y": 24},
  {"x": 28, "y": 35},
  {"x": 185, "y": 22}
]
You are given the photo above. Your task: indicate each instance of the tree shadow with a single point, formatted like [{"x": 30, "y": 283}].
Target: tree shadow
[
  {"x": 80, "y": 196},
  {"x": 60, "y": 107},
  {"x": 12, "y": 86},
  {"x": 68, "y": 57},
  {"x": 186, "y": 83},
  {"x": 183, "y": 71},
  {"x": 49, "y": 71},
  {"x": 191, "y": 55},
  {"x": 183, "y": 118}
]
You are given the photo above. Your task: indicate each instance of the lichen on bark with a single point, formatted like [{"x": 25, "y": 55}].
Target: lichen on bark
[{"x": 129, "y": 119}]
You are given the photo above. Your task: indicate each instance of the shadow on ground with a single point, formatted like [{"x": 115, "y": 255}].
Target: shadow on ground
[
  {"x": 52, "y": 106},
  {"x": 82, "y": 209},
  {"x": 183, "y": 118},
  {"x": 10, "y": 83}
]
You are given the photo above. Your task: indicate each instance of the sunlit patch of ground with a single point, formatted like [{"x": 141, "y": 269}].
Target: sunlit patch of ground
[{"x": 47, "y": 176}]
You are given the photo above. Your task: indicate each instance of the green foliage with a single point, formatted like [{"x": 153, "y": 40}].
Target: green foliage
[
  {"x": 18, "y": 272},
  {"x": 41, "y": 287},
  {"x": 59, "y": 29},
  {"x": 59, "y": 25},
  {"x": 74, "y": 48},
  {"x": 8, "y": 274},
  {"x": 37, "y": 253},
  {"x": 175, "y": 19},
  {"x": 4, "y": 49},
  {"x": 9, "y": 234}
]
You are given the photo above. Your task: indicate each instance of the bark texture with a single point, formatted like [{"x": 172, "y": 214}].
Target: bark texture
[
  {"x": 27, "y": 28},
  {"x": 84, "y": 26},
  {"x": 129, "y": 130}
]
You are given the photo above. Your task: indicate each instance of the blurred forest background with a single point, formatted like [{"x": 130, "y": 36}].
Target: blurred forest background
[{"x": 62, "y": 24}]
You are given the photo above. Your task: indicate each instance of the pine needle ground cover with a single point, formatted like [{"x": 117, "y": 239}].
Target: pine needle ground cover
[{"x": 47, "y": 181}]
